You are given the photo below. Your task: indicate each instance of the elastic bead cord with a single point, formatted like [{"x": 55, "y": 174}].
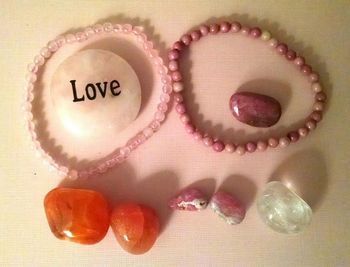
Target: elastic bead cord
[
  {"x": 282, "y": 49},
  {"x": 123, "y": 152}
]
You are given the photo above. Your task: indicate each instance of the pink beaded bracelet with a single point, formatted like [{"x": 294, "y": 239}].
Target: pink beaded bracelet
[
  {"x": 122, "y": 153},
  {"x": 282, "y": 49}
]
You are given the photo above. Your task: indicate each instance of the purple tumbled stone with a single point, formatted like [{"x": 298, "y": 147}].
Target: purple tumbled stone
[
  {"x": 227, "y": 207},
  {"x": 255, "y": 109},
  {"x": 191, "y": 199}
]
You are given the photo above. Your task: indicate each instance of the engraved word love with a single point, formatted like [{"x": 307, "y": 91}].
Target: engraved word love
[{"x": 91, "y": 91}]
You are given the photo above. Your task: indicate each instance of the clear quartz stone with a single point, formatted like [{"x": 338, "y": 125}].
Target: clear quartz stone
[{"x": 282, "y": 209}]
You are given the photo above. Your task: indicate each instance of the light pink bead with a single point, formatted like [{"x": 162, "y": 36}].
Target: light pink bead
[
  {"x": 185, "y": 118},
  {"x": 240, "y": 150},
  {"x": 148, "y": 132},
  {"x": 250, "y": 147},
  {"x": 45, "y": 52},
  {"x": 165, "y": 79},
  {"x": 137, "y": 30},
  {"x": 176, "y": 76},
  {"x": 208, "y": 141},
  {"x": 163, "y": 107},
  {"x": 173, "y": 65},
  {"x": 178, "y": 45},
  {"x": 98, "y": 28},
  {"x": 293, "y": 136},
  {"x": 303, "y": 131},
  {"x": 118, "y": 28},
  {"x": 127, "y": 28},
  {"x": 310, "y": 125},
  {"x": 159, "y": 116},
  {"x": 173, "y": 54},
  {"x": 282, "y": 49},
  {"x": 39, "y": 60},
  {"x": 195, "y": 35},
  {"x": 291, "y": 55},
  {"x": 218, "y": 146},
  {"x": 316, "y": 115},
  {"x": 125, "y": 151},
  {"x": 31, "y": 77},
  {"x": 214, "y": 28},
  {"x": 230, "y": 148},
  {"x": 70, "y": 38},
  {"x": 180, "y": 108},
  {"x": 197, "y": 136},
  {"x": 261, "y": 145},
  {"x": 89, "y": 31},
  {"x": 162, "y": 70},
  {"x": 178, "y": 98},
  {"x": 204, "y": 29},
  {"x": 28, "y": 87},
  {"x": 273, "y": 142},
  {"x": 313, "y": 77},
  {"x": 53, "y": 46},
  {"x": 167, "y": 88},
  {"x": 186, "y": 39},
  {"x": 225, "y": 27},
  {"x": 32, "y": 67},
  {"x": 316, "y": 87},
  {"x": 189, "y": 128},
  {"x": 178, "y": 86},
  {"x": 165, "y": 98},
  {"x": 284, "y": 141},
  {"x": 60, "y": 40},
  {"x": 273, "y": 42},
  {"x": 255, "y": 32},
  {"x": 154, "y": 125},
  {"x": 306, "y": 69},
  {"x": 245, "y": 30},
  {"x": 81, "y": 36},
  {"x": 108, "y": 27},
  {"x": 321, "y": 97},
  {"x": 318, "y": 106},
  {"x": 236, "y": 26},
  {"x": 299, "y": 61}
]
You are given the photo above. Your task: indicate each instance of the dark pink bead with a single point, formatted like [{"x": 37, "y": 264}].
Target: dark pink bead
[
  {"x": 180, "y": 108},
  {"x": 214, "y": 28},
  {"x": 282, "y": 49},
  {"x": 195, "y": 35},
  {"x": 186, "y": 39},
  {"x": 178, "y": 45},
  {"x": 250, "y": 147},
  {"x": 291, "y": 55},
  {"x": 204, "y": 29},
  {"x": 173, "y": 54},
  {"x": 255, "y": 32},
  {"x": 321, "y": 96},
  {"x": 225, "y": 26},
  {"x": 176, "y": 76},
  {"x": 178, "y": 98},
  {"x": 218, "y": 146},
  {"x": 306, "y": 69},
  {"x": 316, "y": 116},
  {"x": 293, "y": 136}
]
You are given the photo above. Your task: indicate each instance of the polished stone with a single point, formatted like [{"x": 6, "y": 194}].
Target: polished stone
[
  {"x": 191, "y": 199},
  {"x": 282, "y": 209},
  {"x": 77, "y": 215},
  {"x": 135, "y": 226},
  {"x": 255, "y": 109}
]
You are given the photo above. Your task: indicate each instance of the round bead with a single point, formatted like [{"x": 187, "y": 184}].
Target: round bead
[
  {"x": 178, "y": 46},
  {"x": 39, "y": 60},
  {"x": 265, "y": 36},
  {"x": 261, "y": 146},
  {"x": 197, "y": 136},
  {"x": 167, "y": 88},
  {"x": 306, "y": 69},
  {"x": 163, "y": 107},
  {"x": 318, "y": 106},
  {"x": 230, "y": 148},
  {"x": 245, "y": 30},
  {"x": 316, "y": 115},
  {"x": 225, "y": 27},
  {"x": 321, "y": 96},
  {"x": 284, "y": 141},
  {"x": 218, "y": 146},
  {"x": 273, "y": 43},
  {"x": 180, "y": 108},
  {"x": 195, "y": 35},
  {"x": 185, "y": 118},
  {"x": 291, "y": 55},
  {"x": 310, "y": 125},
  {"x": 189, "y": 128},
  {"x": 299, "y": 61},
  {"x": 303, "y": 131},
  {"x": 293, "y": 136},
  {"x": 186, "y": 39},
  {"x": 273, "y": 142},
  {"x": 159, "y": 116},
  {"x": 240, "y": 150},
  {"x": 204, "y": 29},
  {"x": 173, "y": 65},
  {"x": 282, "y": 49},
  {"x": 178, "y": 98},
  {"x": 316, "y": 87},
  {"x": 255, "y": 32},
  {"x": 214, "y": 28},
  {"x": 236, "y": 26},
  {"x": 165, "y": 98},
  {"x": 176, "y": 76},
  {"x": 313, "y": 77},
  {"x": 173, "y": 54},
  {"x": 250, "y": 147},
  {"x": 178, "y": 86},
  {"x": 208, "y": 141}
]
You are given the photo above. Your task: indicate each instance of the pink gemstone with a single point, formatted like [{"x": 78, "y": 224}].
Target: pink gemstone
[
  {"x": 293, "y": 136},
  {"x": 306, "y": 69},
  {"x": 214, "y": 28},
  {"x": 255, "y": 109},
  {"x": 218, "y": 146},
  {"x": 250, "y": 147},
  {"x": 195, "y": 35},
  {"x": 225, "y": 26},
  {"x": 204, "y": 29},
  {"x": 227, "y": 207},
  {"x": 178, "y": 45},
  {"x": 282, "y": 49},
  {"x": 291, "y": 55},
  {"x": 186, "y": 39},
  {"x": 255, "y": 32},
  {"x": 173, "y": 54},
  {"x": 190, "y": 199}
]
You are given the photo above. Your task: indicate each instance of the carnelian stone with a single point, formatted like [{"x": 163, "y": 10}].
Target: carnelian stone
[
  {"x": 135, "y": 226},
  {"x": 77, "y": 215}
]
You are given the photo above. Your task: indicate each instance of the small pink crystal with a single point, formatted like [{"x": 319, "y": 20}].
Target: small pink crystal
[
  {"x": 191, "y": 199},
  {"x": 227, "y": 207}
]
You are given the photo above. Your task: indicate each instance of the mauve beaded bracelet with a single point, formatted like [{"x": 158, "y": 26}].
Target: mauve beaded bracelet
[
  {"x": 122, "y": 153},
  {"x": 282, "y": 49}
]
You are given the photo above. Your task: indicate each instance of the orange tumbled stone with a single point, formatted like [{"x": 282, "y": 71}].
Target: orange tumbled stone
[
  {"x": 77, "y": 215},
  {"x": 135, "y": 226}
]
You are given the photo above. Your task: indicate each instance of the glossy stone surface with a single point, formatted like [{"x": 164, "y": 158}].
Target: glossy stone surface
[
  {"x": 255, "y": 109},
  {"x": 77, "y": 215},
  {"x": 282, "y": 209},
  {"x": 190, "y": 199},
  {"x": 135, "y": 226},
  {"x": 227, "y": 207},
  {"x": 101, "y": 107}
]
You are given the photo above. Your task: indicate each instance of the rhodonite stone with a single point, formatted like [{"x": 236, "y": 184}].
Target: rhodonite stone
[
  {"x": 255, "y": 109},
  {"x": 77, "y": 215},
  {"x": 227, "y": 207},
  {"x": 282, "y": 209},
  {"x": 95, "y": 92},
  {"x": 135, "y": 226},
  {"x": 190, "y": 199}
]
